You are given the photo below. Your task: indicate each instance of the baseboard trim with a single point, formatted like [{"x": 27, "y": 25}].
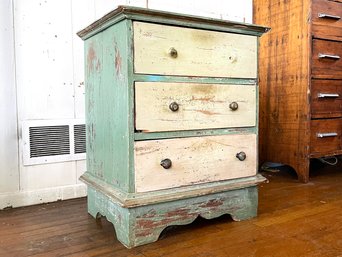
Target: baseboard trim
[{"x": 32, "y": 197}]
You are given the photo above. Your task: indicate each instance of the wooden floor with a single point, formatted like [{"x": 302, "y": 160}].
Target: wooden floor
[{"x": 294, "y": 220}]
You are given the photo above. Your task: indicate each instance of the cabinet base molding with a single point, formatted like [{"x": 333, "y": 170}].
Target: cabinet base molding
[{"x": 143, "y": 224}]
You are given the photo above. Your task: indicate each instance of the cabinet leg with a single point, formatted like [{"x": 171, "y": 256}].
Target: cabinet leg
[{"x": 302, "y": 170}]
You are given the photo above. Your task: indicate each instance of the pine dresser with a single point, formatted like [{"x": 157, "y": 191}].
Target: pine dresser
[
  {"x": 171, "y": 120},
  {"x": 300, "y": 81}
]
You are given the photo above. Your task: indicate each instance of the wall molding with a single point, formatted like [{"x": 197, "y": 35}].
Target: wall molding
[{"x": 39, "y": 196}]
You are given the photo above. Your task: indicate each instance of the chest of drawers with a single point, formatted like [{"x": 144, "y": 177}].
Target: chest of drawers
[
  {"x": 171, "y": 117},
  {"x": 300, "y": 81}
]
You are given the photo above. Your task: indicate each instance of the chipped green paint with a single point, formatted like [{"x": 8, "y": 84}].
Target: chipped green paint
[
  {"x": 108, "y": 109},
  {"x": 143, "y": 224},
  {"x": 194, "y": 133},
  {"x": 208, "y": 80},
  {"x": 109, "y": 78}
]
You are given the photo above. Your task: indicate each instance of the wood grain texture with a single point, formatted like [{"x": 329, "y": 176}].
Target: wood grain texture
[
  {"x": 201, "y": 106},
  {"x": 327, "y": 146},
  {"x": 293, "y": 220},
  {"x": 142, "y": 225},
  {"x": 325, "y": 27},
  {"x": 113, "y": 48},
  {"x": 194, "y": 160},
  {"x": 106, "y": 77},
  {"x": 176, "y": 19},
  {"x": 284, "y": 83},
  {"x": 327, "y": 68},
  {"x": 326, "y": 107},
  {"x": 199, "y": 52},
  {"x": 129, "y": 200}
]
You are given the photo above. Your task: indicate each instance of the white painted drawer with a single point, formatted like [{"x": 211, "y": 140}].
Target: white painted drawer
[
  {"x": 199, "y": 52},
  {"x": 200, "y": 106},
  {"x": 194, "y": 160}
]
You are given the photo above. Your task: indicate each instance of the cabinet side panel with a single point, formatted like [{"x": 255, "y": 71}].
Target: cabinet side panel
[
  {"x": 284, "y": 81},
  {"x": 107, "y": 105}
]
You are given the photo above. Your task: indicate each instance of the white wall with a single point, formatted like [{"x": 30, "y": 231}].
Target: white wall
[
  {"x": 38, "y": 40},
  {"x": 9, "y": 169}
]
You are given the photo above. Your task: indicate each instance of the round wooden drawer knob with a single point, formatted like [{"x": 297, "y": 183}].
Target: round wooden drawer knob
[
  {"x": 233, "y": 106},
  {"x": 241, "y": 156},
  {"x": 173, "y": 52},
  {"x": 174, "y": 106},
  {"x": 166, "y": 163}
]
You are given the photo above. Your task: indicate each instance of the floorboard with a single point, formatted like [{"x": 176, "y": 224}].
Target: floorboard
[{"x": 294, "y": 219}]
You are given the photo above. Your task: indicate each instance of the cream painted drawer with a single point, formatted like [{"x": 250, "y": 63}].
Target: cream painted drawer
[
  {"x": 194, "y": 160},
  {"x": 161, "y": 106},
  {"x": 170, "y": 50}
]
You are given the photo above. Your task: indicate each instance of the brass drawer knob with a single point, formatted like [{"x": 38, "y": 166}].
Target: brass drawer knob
[
  {"x": 173, "y": 52},
  {"x": 241, "y": 156},
  {"x": 174, "y": 106},
  {"x": 166, "y": 163},
  {"x": 233, "y": 106}
]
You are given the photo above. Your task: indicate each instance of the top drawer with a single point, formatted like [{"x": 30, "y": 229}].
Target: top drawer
[
  {"x": 327, "y": 19},
  {"x": 169, "y": 50}
]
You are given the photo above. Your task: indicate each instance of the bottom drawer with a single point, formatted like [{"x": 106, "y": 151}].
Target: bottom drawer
[
  {"x": 193, "y": 160},
  {"x": 326, "y": 137}
]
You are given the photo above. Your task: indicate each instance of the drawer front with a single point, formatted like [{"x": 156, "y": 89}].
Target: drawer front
[
  {"x": 190, "y": 106},
  {"x": 169, "y": 50},
  {"x": 326, "y": 98},
  {"x": 327, "y": 19},
  {"x": 327, "y": 59},
  {"x": 326, "y": 136},
  {"x": 193, "y": 160}
]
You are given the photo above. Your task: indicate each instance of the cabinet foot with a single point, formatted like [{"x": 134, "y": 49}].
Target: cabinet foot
[{"x": 143, "y": 224}]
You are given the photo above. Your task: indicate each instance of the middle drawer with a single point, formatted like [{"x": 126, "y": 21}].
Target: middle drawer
[
  {"x": 161, "y": 106},
  {"x": 326, "y": 59}
]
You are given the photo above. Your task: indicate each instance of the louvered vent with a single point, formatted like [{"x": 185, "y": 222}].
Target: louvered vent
[
  {"x": 49, "y": 141},
  {"x": 79, "y": 138}
]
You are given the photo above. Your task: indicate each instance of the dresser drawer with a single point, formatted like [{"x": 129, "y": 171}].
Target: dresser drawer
[
  {"x": 170, "y": 50},
  {"x": 190, "y": 106},
  {"x": 193, "y": 160},
  {"x": 327, "y": 19},
  {"x": 327, "y": 59},
  {"x": 326, "y": 98},
  {"x": 326, "y": 136}
]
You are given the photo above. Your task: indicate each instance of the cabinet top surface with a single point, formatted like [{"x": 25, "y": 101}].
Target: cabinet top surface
[{"x": 149, "y": 15}]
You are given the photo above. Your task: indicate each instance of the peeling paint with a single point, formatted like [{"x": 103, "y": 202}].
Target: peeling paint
[
  {"x": 91, "y": 57},
  {"x": 207, "y": 112},
  {"x": 118, "y": 62}
]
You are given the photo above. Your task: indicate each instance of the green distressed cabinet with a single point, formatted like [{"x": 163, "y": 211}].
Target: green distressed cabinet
[{"x": 171, "y": 118}]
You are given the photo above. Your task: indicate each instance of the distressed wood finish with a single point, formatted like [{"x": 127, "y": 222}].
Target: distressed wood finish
[
  {"x": 199, "y": 52},
  {"x": 194, "y": 160},
  {"x": 325, "y": 27},
  {"x": 326, "y": 98},
  {"x": 120, "y": 174},
  {"x": 149, "y": 221},
  {"x": 291, "y": 74},
  {"x": 201, "y": 106},
  {"x": 330, "y": 145},
  {"x": 327, "y": 67},
  {"x": 105, "y": 58},
  {"x": 294, "y": 220}
]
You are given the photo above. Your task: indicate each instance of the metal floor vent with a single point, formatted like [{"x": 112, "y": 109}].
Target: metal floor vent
[{"x": 47, "y": 141}]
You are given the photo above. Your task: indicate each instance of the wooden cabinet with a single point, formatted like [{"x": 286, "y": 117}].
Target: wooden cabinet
[
  {"x": 300, "y": 81},
  {"x": 171, "y": 117}
]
